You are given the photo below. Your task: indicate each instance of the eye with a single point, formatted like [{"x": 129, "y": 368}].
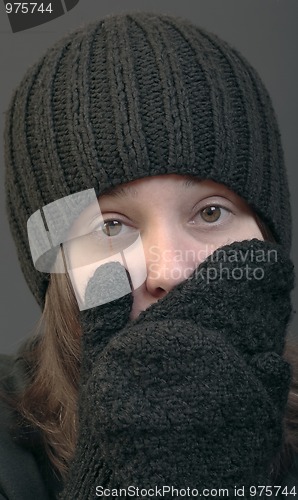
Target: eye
[
  {"x": 112, "y": 227},
  {"x": 211, "y": 213},
  {"x": 111, "y": 235}
]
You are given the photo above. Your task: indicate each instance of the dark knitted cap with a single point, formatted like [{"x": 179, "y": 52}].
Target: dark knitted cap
[{"x": 135, "y": 95}]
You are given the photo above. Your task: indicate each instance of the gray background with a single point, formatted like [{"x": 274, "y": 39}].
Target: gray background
[{"x": 264, "y": 31}]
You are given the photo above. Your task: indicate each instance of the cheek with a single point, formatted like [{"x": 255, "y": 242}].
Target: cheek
[
  {"x": 79, "y": 277},
  {"x": 248, "y": 229},
  {"x": 245, "y": 228}
]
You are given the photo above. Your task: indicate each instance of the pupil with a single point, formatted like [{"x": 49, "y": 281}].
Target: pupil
[{"x": 112, "y": 227}]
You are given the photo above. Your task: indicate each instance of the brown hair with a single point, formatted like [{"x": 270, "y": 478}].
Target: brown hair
[{"x": 50, "y": 400}]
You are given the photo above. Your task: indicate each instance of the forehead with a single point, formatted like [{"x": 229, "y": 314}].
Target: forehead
[
  {"x": 185, "y": 182},
  {"x": 131, "y": 188},
  {"x": 168, "y": 188}
]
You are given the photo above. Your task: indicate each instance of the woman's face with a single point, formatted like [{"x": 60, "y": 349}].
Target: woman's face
[{"x": 181, "y": 220}]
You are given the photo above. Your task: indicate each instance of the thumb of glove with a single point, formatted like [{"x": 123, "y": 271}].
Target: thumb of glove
[{"x": 110, "y": 289}]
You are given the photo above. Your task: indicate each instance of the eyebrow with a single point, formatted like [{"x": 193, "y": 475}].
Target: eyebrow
[
  {"x": 125, "y": 191},
  {"x": 120, "y": 192}
]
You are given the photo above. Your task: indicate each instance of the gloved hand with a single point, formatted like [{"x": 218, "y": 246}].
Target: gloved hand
[{"x": 191, "y": 393}]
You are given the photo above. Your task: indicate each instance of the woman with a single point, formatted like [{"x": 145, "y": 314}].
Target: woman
[{"x": 143, "y": 157}]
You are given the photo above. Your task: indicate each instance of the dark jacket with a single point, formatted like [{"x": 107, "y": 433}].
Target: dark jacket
[{"x": 25, "y": 472}]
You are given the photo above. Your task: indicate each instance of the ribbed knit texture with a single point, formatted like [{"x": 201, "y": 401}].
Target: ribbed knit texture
[
  {"x": 136, "y": 95},
  {"x": 192, "y": 393}
]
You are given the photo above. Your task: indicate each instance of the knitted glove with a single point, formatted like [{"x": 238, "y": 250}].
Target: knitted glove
[{"x": 192, "y": 393}]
